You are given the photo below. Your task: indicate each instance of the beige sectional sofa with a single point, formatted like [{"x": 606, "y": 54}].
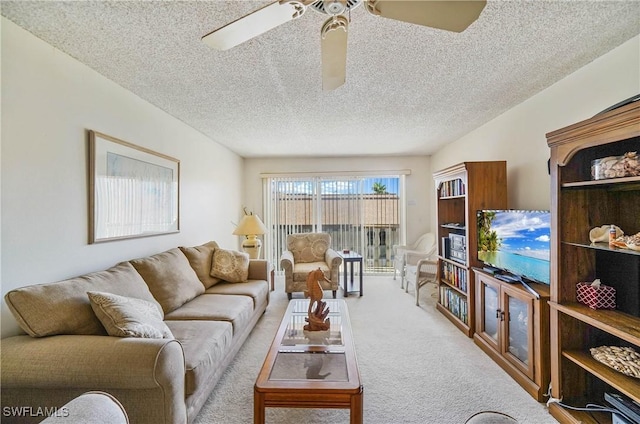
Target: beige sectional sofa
[{"x": 68, "y": 350}]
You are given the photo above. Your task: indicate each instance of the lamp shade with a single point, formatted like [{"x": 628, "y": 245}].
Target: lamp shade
[{"x": 250, "y": 225}]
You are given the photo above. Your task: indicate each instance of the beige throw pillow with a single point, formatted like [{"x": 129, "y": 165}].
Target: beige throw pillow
[
  {"x": 129, "y": 317},
  {"x": 230, "y": 265},
  {"x": 200, "y": 258},
  {"x": 170, "y": 278}
]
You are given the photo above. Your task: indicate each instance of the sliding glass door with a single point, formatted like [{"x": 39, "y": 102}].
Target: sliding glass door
[{"x": 362, "y": 214}]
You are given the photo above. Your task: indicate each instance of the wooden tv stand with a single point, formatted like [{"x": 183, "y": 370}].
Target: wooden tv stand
[{"x": 512, "y": 327}]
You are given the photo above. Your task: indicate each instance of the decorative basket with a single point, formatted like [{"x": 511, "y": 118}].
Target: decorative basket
[{"x": 622, "y": 359}]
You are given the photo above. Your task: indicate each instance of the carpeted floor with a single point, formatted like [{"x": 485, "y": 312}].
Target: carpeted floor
[{"x": 416, "y": 367}]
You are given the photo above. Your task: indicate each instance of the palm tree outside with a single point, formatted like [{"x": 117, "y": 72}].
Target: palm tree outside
[{"x": 379, "y": 188}]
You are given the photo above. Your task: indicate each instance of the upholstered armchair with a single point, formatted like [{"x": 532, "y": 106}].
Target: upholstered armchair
[
  {"x": 425, "y": 246},
  {"x": 307, "y": 252}
]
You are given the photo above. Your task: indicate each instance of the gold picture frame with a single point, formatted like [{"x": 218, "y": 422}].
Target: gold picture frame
[{"x": 133, "y": 191}]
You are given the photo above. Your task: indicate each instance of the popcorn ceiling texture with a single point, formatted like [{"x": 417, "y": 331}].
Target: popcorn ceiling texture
[{"x": 409, "y": 90}]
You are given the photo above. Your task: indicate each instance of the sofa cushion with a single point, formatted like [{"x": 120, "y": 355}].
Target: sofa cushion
[
  {"x": 125, "y": 316},
  {"x": 230, "y": 265},
  {"x": 205, "y": 344},
  {"x": 258, "y": 290},
  {"x": 200, "y": 258},
  {"x": 170, "y": 278},
  {"x": 63, "y": 307},
  {"x": 235, "y": 309},
  {"x": 302, "y": 270}
]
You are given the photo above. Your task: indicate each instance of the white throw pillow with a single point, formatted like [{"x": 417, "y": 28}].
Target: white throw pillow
[{"x": 129, "y": 317}]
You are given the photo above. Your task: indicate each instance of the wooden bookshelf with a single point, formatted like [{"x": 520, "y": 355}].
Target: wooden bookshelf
[
  {"x": 462, "y": 190},
  {"x": 578, "y": 204}
]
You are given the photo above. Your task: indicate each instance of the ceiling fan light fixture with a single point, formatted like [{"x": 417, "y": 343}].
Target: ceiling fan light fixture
[{"x": 334, "y": 7}]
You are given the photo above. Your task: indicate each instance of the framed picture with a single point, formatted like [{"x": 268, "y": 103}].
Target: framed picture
[{"x": 133, "y": 191}]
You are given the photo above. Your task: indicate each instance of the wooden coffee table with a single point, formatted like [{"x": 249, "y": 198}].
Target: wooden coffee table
[{"x": 310, "y": 369}]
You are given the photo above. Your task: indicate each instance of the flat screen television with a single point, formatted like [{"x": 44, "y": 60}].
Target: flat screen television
[{"x": 517, "y": 242}]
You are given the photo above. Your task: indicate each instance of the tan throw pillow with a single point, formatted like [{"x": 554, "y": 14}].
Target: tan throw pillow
[
  {"x": 170, "y": 278},
  {"x": 230, "y": 265},
  {"x": 129, "y": 317},
  {"x": 200, "y": 258}
]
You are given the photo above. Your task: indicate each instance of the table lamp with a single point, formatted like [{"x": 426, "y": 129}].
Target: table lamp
[{"x": 251, "y": 226}]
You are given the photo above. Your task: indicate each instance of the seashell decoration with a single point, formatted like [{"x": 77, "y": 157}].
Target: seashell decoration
[
  {"x": 627, "y": 165},
  {"x": 632, "y": 242},
  {"x": 623, "y": 359},
  {"x": 601, "y": 234}
]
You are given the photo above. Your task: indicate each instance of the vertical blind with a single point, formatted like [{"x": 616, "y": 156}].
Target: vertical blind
[{"x": 362, "y": 214}]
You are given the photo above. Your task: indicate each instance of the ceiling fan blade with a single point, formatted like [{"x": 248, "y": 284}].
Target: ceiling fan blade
[
  {"x": 334, "y": 52},
  {"x": 254, "y": 24},
  {"x": 449, "y": 15}
]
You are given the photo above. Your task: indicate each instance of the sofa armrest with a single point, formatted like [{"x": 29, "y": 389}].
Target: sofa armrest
[
  {"x": 286, "y": 260},
  {"x": 90, "y": 407},
  {"x": 332, "y": 258},
  {"x": 259, "y": 269},
  {"x": 92, "y": 362}
]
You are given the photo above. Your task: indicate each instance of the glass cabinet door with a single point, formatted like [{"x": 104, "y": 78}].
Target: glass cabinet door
[
  {"x": 518, "y": 340},
  {"x": 489, "y": 312}
]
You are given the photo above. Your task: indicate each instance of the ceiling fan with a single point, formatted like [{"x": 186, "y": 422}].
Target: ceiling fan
[{"x": 451, "y": 15}]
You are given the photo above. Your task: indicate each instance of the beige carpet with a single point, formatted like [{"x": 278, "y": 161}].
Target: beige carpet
[{"x": 416, "y": 367}]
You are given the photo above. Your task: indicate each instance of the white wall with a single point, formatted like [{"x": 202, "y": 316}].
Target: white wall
[
  {"x": 518, "y": 135},
  {"x": 49, "y": 101},
  {"x": 419, "y": 185}
]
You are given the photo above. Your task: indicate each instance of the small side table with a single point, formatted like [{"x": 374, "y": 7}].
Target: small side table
[{"x": 349, "y": 259}]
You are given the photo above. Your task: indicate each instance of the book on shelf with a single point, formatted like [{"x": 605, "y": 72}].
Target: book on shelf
[
  {"x": 452, "y": 188},
  {"x": 455, "y": 303}
]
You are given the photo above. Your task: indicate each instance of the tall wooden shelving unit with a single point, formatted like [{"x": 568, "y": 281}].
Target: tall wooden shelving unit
[
  {"x": 579, "y": 204},
  {"x": 461, "y": 191}
]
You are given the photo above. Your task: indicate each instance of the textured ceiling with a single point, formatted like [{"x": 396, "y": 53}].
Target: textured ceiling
[{"x": 409, "y": 90}]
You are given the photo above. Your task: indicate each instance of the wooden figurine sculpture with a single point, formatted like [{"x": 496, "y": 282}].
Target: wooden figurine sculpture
[{"x": 318, "y": 310}]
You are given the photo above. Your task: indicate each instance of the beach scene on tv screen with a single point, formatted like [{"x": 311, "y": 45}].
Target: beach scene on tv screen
[{"x": 516, "y": 241}]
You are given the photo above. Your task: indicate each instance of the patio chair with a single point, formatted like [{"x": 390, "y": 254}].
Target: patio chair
[
  {"x": 420, "y": 270},
  {"x": 425, "y": 246}
]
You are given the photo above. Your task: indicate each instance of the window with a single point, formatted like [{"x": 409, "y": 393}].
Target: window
[{"x": 362, "y": 214}]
